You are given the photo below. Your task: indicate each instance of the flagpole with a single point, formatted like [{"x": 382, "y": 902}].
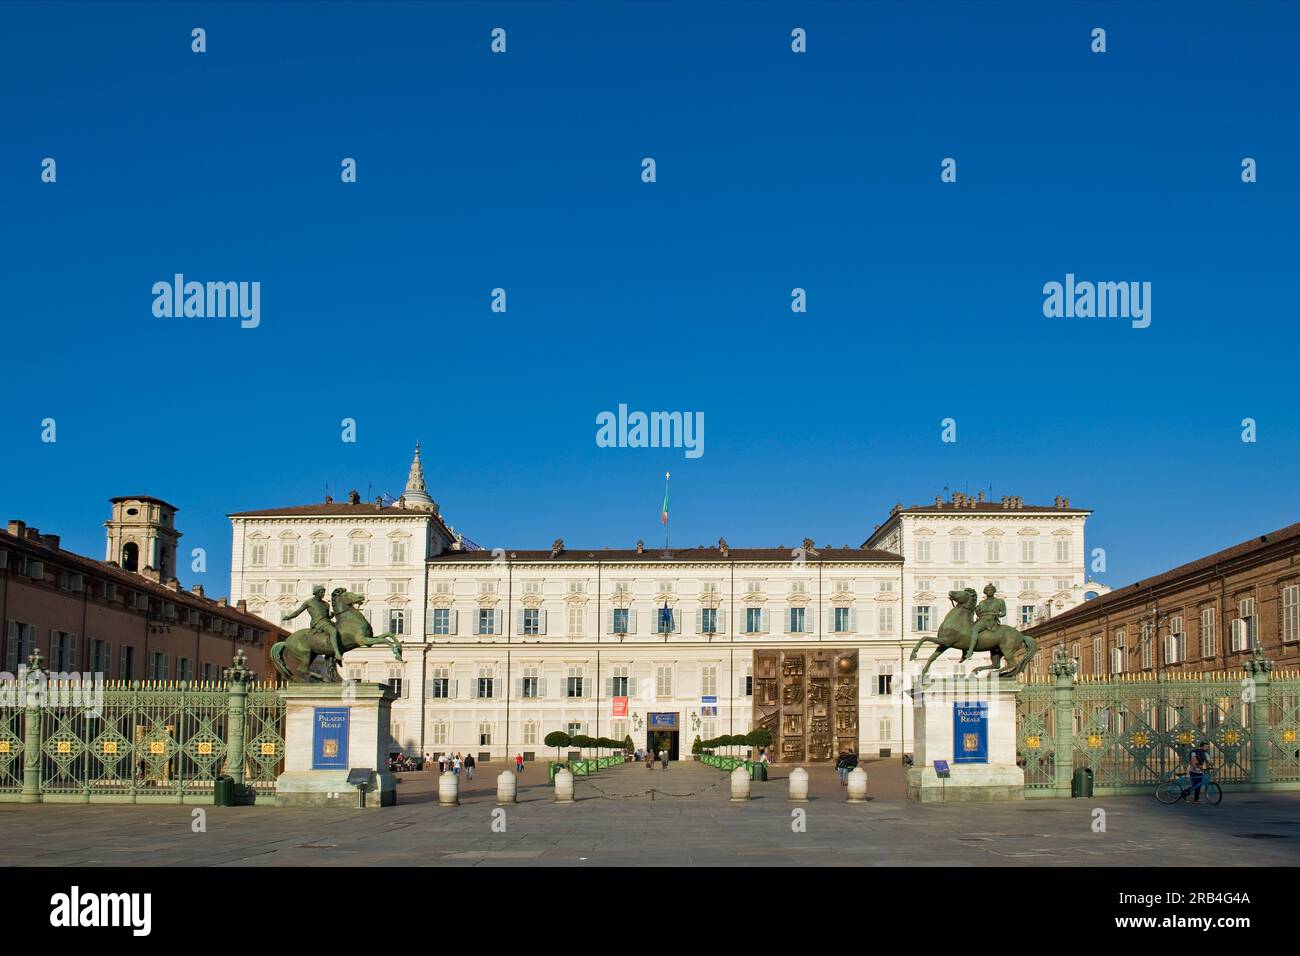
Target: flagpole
[{"x": 667, "y": 475}]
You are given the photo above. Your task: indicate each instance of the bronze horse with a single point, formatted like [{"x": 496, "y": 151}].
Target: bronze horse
[
  {"x": 303, "y": 645},
  {"x": 1004, "y": 641}
]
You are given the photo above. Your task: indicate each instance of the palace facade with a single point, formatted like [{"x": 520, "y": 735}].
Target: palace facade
[
  {"x": 126, "y": 618},
  {"x": 1207, "y": 615},
  {"x": 504, "y": 646}
]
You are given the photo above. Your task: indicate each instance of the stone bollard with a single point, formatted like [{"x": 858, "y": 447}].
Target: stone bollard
[
  {"x": 857, "y": 785},
  {"x": 739, "y": 785},
  {"x": 799, "y": 785},
  {"x": 448, "y": 790},
  {"x": 563, "y": 786},
  {"x": 507, "y": 787}
]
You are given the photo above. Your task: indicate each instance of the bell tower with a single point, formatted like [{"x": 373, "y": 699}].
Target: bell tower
[{"x": 142, "y": 534}]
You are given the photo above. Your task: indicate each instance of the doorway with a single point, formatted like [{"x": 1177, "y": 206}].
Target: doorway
[{"x": 662, "y": 734}]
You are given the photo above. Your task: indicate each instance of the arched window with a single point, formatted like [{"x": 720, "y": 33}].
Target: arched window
[{"x": 131, "y": 556}]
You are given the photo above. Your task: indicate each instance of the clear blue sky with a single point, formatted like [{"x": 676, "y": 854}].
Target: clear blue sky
[{"x": 775, "y": 170}]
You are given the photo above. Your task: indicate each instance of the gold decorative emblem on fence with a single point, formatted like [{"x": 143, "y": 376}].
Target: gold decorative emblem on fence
[
  {"x": 110, "y": 747},
  {"x": 1231, "y": 738},
  {"x": 1287, "y": 735},
  {"x": 4, "y": 746},
  {"x": 1033, "y": 741},
  {"x": 1094, "y": 740},
  {"x": 1140, "y": 739},
  {"x": 205, "y": 748},
  {"x": 1185, "y": 737},
  {"x": 268, "y": 750},
  {"x": 63, "y": 746},
  {"x": 157, "y": 748}
]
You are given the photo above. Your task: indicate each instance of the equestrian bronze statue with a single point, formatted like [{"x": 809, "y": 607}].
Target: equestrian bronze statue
[
  {"x": 973, "y": 628},
  {"x": 327, "y": 638}
]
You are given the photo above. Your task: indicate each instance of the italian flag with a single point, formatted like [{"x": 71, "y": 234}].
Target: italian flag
[{"x": 665, "y": 512}]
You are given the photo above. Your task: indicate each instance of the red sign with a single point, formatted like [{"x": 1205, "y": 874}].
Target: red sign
[{"x": 620, "y": 707}]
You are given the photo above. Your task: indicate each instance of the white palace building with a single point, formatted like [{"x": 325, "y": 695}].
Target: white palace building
[{"x": 502, "y": 647}]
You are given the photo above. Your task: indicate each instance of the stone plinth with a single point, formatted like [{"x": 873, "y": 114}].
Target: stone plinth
[
  {"x": 939, "y": 736},
  {"x": 318, "y": 754}
]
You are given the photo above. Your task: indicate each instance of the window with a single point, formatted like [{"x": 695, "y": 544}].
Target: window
[
  {"x": 797, "y": 615},
  {"x": 439, "y": 734},
  {"x": 621, "y": 618},
  {"x": 709, "y": 680},
  {"x": 439, "y": 684},
  {"x": 184, "y": 668},
  {"x": 885, "y": 680},
  {"x": 360, "y": 553},
  {"x": 993, "y": 549},
  {"x": 1246, "y": 611},
  {"x": 1027, "y": 552},
  {"x": 441, "y": 620},
  {"x": 843, "y": 620},
  {"x": 663, "y": 681},
  {"x": 487, "y": 621},
  {"x": 530, "y": 733},
  {"x": 442, "y": 587},
  {"x": 397, "y": 682},
  {"x": 1098, "y": 656},
  {"x": 1207, "y": 632},
  {"x": 665, "y": 587},
  {"x": 577, "y": 587},
  {"x": 257, "y": 555},
  {"x": 487, "y": 587},
  {"x": 573, "y": 684},
  {"x": 532, "y": 587},
  {"x": 619, "y": 728},
  {"x": 843, "y": 587},
  {"x": 1148, "y": 652},
  {"x": 320, "y": 554},
  {"x": 288, "y": 588},
  {"x": 486, "y": 686},
  {"x": 958, "y": 550},
  {"x": 886, "y": 619},
  {"x": 399, "y": 587},
  {"x": 1028, "y": 584},
  {"x": 1062, "y": 584},
  {"x": 622, "y": 587},
  {"x": 1026, "y": 614},
  {"x": 710, "y": 728},
  {"x": 748, "y": 684},
  {"x": 256, "y": 588},
  {"x": 709, "y": 587},
  {"x": 923, "y": 549},
  {"x": 1063, "y": 551},
  {"x": 798, "y": 587},
  {"x": 157, "y": 666},
  {"x": 126, "y": 664},
  {"x": 61, "y": 652},
  {"x": 532, "y": 621},
  {"x": 754, "y": 587},
  {"x": 1290, "y": 610},
  {"x": 618, "y": 683},
  {"x": 1176, "y": 650},
  {"x": 100, "y": 659},
  {"x": 708, "y": 620},
  {"x": 485, "y": 735},
  {"x": 530, "y": 685},
  {"x": 921, "y": 621},
  {"x": 1077, "y": 657},
  {"x": 574, "y": 729},
  {"x": 887, "y": 587},
  {"x": 288, "y": 554},
  {"x": 959, "y": 585},
  {"x": 1118, "y": 654},
  {"x": 396, "y": 621},
  {"x": 923, "y": 584},
  {"x": 665, "y": 620},
  {"x": 397, "y": 552},
  {"x": 358, "y": 587},
  {"x": 575, "y": 620},
  {"x": 753, "y": 620},
  {"x": 885, "y": 726}
]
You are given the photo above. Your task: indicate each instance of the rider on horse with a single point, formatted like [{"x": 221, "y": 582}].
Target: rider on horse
[
  {"x": 987, "y": 617},
  {"x": 319, "y": 612}
]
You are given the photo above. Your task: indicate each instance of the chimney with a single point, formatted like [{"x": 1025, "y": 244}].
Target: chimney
[
  {"x": 198, "y": 590},
  {"x": 222, "y": 602},
  {"x": 17, "y": 528},
  {"x": 242, "y": 605},
  {"x": 174, "y": 584},
  {"x": 34, "y": 534},
  {"x": 52, "y": 541}
]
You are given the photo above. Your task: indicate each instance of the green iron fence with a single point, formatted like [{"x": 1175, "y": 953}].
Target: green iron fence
[
  {"x": 160, "y": 741},
  {"x": 1135, "y": 730}
]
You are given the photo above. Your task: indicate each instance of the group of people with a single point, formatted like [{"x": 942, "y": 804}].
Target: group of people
[
  {"x": 453, "y": 762},
  {"x": 649, "y": 756},
  {"x": 399, "y": 763}
]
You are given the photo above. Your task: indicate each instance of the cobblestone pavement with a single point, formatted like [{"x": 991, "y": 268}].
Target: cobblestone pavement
[{"x": 689, "y": 821}]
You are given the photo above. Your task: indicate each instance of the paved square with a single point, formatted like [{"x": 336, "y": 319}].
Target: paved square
[{"x": 689, "y": 822}]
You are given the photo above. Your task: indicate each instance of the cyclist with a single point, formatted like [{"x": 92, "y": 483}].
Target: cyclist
[{"x": 1198, "y": 761}]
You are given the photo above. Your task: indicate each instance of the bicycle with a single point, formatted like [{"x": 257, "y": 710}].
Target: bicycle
[{"x": 1180, "y": 786}]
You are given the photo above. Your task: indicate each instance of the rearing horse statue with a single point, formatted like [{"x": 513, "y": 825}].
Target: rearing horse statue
[
  {"x": 303, "y": 645},
  {"x": 1001, "y": 642}
]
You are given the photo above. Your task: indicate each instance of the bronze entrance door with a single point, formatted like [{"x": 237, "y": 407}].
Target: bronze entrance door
[{"x": 662, "y": 734}]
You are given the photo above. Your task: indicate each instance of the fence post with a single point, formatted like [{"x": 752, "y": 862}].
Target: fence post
[
  {"x": 1062, "y": 671},
  {"x": 1258, "y": 667},
  {"x": 237, "y": 691},
  {"x": 34, "y": 698}
]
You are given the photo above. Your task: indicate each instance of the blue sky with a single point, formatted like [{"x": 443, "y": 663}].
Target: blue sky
[{"x": 775, "y": 171}]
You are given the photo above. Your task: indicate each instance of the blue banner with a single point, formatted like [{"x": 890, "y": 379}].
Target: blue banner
[
  {"x": 663, "y": 721},
  {"x": 970, "y": 732},
  {"x": 329, "y": 741}
]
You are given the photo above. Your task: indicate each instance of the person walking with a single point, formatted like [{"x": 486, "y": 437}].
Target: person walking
[
  {"x": 663, "y": 759},
  {"x": 649, "y": 759},
  {"x": 519, "y": 763},
  {"x": 1198, "y": 761},
  {"x": 442, "y": 763},
  {"x": 455, "y": 765},
  {"x": 469, "y": 766}
]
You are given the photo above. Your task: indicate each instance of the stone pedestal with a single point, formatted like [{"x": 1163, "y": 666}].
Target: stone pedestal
[
  {"x": 947, "y": 724},
  {"x": 330, "y": 730}
]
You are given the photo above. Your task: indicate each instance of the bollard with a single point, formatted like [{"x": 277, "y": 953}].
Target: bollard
[
  {"x": 448, "y": 790},
  {"x": 739, "y": 785},
  {"x": 799, "y": 785},
  {"x": 507, "y": 786},
  {"x": 857, "y": 785},
  {"x": 563, "y": 786}
]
